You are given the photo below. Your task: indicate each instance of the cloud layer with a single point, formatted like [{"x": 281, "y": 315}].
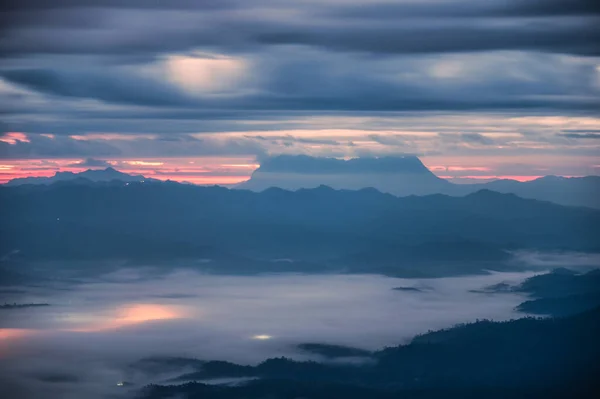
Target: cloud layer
[
  {"x": 164, "y": 72},
  {"x": 101, "y": 327}
]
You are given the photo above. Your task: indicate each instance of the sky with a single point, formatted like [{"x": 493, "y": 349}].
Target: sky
[{"x": 202, "y": 91}]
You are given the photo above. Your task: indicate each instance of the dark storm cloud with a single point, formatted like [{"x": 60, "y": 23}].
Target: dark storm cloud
[
  {"x": 517, "y": 8},
  {"x": 292, "y": 139},
  {"x": 581, "y": 38},
  {"x": 142, "y": 4},
  {"x": 583, "y": 135},
  {"x": 82, "y": 66},
  {"x": 401, "y": 28},
  {"x": 476, "y": 138},
  {"x": 315, "y": 81},
  {"x": 116, "y": 88},
  {"x": 416, "y": 38},
  {"x": 512, "y": 7},
  {"x": 41, "y": 146},
  {"x": 388, "y": 140}
]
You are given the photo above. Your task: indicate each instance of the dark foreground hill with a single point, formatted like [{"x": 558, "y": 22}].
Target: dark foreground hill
[
  {"x": 169, "y": 220},
  {"x": 525, "y": 358},
  {"x": 561, "y": 292}
]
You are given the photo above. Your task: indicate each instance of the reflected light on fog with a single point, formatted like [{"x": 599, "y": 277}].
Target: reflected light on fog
[
  {"x": 133, "y": 314},
  {"x": 262, "y": 337},
  {"x": 10, "y": 333}
]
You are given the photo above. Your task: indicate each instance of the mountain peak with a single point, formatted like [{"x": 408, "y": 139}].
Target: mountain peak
[
  {"x": 304, "y": 164},
  {"x": 93, "y": 175},
  {"x": 109, "y": 172},
  {"x": 399, "y": 175}
]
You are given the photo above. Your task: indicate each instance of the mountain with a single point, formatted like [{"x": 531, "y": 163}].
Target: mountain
[
  {"x": 561, "y": 293},
  {"x": 561, "y": 283},
  {"x": 571, "y": 191},
  {"x": 321, "y": 228},
  {"x": 406, "y": 175},
  {"x": 401, "y": 176},
  {"x": 92, "y": 175}
]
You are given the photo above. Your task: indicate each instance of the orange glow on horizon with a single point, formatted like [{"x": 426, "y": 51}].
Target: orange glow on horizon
[
  {"x": 203, "y": 180},
  {"x": 203, "y": 171},
  {"x": 459, "y": 168},
  {"x": 494, "y": 177},
  {"x": 237, "y": 169}
]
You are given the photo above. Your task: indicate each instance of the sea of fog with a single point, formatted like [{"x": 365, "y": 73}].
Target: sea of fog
[{"x": 93, "y": 331}]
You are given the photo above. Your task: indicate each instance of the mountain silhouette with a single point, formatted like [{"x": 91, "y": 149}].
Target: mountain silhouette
[
  {"x": 93, "y": 175},
  {"x": 399, "y": 176},
  {"x": 322, "y": 225},
  {"x": 406, "y": 175},
  {"x": 522, "y": 358}
]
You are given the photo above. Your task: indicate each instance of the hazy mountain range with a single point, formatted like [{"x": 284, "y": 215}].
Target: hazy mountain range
[
  {"x": 400, "y": 176},
  {"x": 311, "y": 229},
  {"x": 106, "y": 214},
  {"x": 406, "y": 175},
  {"x": 93, "y": 175}
]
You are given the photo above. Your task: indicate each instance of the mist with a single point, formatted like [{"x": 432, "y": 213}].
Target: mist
[{"x": 92, "y": 332}]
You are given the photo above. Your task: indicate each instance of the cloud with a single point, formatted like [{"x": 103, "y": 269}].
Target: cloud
[
  {"x": 403, "y": 28},
  {"x": 308, "y": 80},
  {"x": 185, "y": 67},
  {"x": 462, "y": 139},
  {"x": 458, "y": 9},
  {"x": 581, "y": 134},
  {"x": 476, "y": 138},
  {"x": 289, "y": 140},
  {"x": 40, "y": 146},
  {"x": 115, "y": 88},
  {"x": 90, "y": 163}
]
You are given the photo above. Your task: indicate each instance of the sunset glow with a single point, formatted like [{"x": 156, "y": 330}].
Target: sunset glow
[
  {"x": 233, "y": 170},
  {"x": 13, "y": 138}
]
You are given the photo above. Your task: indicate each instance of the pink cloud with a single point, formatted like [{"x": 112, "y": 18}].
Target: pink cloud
[{"x": 13, "y": 137}]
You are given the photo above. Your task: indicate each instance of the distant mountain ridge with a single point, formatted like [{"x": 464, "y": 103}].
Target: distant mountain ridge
[
  {"x": 93, "y": 175},
  {"x": 399, "y": 176},
  {"x": 307, "y": 164},
  {"x": 406, "y": 175},
  {"x": 318, "y": 229}
]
